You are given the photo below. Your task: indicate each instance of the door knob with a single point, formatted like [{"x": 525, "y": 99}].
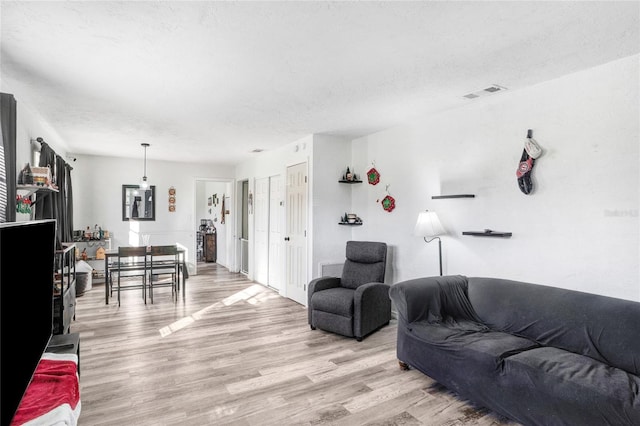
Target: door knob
[{"x": 286, "y": 238}]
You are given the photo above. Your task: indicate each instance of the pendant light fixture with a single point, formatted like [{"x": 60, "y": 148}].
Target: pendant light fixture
[{"x": 144, "y": 184}]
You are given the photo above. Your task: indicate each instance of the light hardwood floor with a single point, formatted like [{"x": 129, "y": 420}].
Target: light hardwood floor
[{"x": 236, "y": 352}]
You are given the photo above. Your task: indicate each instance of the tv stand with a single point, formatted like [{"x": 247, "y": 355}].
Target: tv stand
[{"x": 64, "y": 299}]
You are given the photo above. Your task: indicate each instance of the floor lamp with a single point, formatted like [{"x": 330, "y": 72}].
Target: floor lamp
[{"x": 429, "y": 227}]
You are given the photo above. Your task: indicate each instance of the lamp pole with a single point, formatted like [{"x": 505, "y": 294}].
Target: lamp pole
[{"x": 439, "y": 250}]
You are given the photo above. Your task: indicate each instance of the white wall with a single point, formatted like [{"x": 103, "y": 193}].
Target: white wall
[
  {"x": 97, "y": 192},
  {"x": 29, "y": 127},
  {"x": 578, "y": 230},
  {"x": 331, "y": 200}
]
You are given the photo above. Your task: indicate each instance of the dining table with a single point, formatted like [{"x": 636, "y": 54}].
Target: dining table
[{"x": 183, "y": 272}]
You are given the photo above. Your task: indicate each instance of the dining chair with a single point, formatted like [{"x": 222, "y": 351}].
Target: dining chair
[
  {"x": 131, "y": 263},
  {"x": 164, "y": 269}
]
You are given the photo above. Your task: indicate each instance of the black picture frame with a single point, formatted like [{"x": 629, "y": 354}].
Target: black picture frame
[{"x": 138, "y": 205}]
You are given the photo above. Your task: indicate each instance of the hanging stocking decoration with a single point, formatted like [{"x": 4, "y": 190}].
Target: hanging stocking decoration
[{"x": 530, "y": 153}]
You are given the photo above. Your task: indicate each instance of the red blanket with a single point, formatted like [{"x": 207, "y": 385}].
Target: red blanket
[{"x": 53, "y": 396}]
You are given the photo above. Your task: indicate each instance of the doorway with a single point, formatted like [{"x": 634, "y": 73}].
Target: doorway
[{"x": 213, "y": 198}]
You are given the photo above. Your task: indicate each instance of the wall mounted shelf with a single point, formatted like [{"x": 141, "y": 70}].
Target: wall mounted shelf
[
  {"x": 440, "y": 197},
  {"x": 35, "y": 188},
  {"x": 488, "y": 233},
  {"x": 350, "y": 224},
  {"x": 350, "y": 181}
]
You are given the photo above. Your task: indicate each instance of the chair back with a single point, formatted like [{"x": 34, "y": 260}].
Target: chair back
[
  {"x": 170, "y": 250},
  {"x": 131, "y": 258},
  {"x": 366, "y": 262},
  {"x": 163, "y": 258}
]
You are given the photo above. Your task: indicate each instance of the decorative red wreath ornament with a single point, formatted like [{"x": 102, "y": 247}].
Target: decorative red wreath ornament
[
  {"x": 373, "y": 176},
  {"x": 388, "y": 203}
]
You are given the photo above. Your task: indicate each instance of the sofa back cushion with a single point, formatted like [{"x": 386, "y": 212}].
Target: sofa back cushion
[
  {"x": 603, "y": 328},
  {"x": 365, "y": 262}
]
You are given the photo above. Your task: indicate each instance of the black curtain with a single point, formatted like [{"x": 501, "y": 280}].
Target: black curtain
[
  {"x": 56, "y": 205},
  {"x": 8, "y": 123}
]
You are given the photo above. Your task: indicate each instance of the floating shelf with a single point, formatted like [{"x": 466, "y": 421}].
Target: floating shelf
[
  {"x": 488, "y": 233},
  {"x": 350, "y": 224},
  {"x": 350, "y": 181},
  {"x": 439, "y": 197},
  {"x": 36, "y": 187}
]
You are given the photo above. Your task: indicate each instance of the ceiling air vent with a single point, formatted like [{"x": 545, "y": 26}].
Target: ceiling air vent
[{"x": 486, "y": 91}]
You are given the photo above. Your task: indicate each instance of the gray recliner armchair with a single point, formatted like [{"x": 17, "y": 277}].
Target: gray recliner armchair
[{"x": 357, "y": 303}]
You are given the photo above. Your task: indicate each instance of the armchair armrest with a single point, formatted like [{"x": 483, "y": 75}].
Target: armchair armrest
[
  {"x": 371, "y": 307},
  {"x": 319, "y": 284}
]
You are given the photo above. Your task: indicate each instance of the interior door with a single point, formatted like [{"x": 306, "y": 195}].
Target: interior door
[
  {"x": 276, "y": 236},
  {"x": 244, "y": 229},
  {"x": 261, "y": 231},
  {"x": 296, "y": 233}
]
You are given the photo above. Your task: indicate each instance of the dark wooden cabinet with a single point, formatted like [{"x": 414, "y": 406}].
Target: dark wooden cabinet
[
  {"x": 64, "y": 294},
  {"x": 210, "y": 247}
]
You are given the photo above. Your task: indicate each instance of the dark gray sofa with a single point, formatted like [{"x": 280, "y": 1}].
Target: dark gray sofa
[{"x": 539, "y": 355}]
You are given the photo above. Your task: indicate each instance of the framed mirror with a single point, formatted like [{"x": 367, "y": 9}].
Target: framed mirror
[{"x": 138, "y": 204}]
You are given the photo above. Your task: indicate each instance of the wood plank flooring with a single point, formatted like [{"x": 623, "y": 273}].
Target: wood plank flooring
[{"x": 236, "y": 353}]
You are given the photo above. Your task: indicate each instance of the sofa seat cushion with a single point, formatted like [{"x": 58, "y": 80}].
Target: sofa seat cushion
[
  {"x": 472, "y": 342},
  {"x": 337, "y": 300},
  {"x": 585, "y": 391}
]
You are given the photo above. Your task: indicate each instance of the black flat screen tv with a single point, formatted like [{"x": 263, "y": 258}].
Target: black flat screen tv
[{"x": 27, "y": 251}]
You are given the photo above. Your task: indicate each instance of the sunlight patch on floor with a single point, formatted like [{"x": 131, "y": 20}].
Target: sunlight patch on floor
[{"x": 252, "y": 295}]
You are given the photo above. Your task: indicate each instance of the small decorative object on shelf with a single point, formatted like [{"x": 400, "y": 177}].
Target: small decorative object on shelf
[
  {"x": 42, "y": 176},
  {"x": 26, "y": 176},
  {"x": 350, "y": 219},
  {"x": 23, "y": 204},
  {"x": 349, "y": 177},
  {"x": 487, "y": 233}
]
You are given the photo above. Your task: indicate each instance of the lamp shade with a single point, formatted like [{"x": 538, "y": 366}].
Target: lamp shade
[{"x": 428, "y": 225}]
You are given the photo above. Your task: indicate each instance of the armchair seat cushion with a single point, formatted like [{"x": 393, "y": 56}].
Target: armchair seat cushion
[{"x": 338, "y": 301}]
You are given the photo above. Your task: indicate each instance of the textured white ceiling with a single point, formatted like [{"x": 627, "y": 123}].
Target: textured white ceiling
[{"x": 210, "y": 81}]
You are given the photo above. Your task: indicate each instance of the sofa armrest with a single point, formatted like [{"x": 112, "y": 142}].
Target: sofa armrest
[
  {"x": 412, "y": 299},
  {"x": 433, "y": 299}
]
